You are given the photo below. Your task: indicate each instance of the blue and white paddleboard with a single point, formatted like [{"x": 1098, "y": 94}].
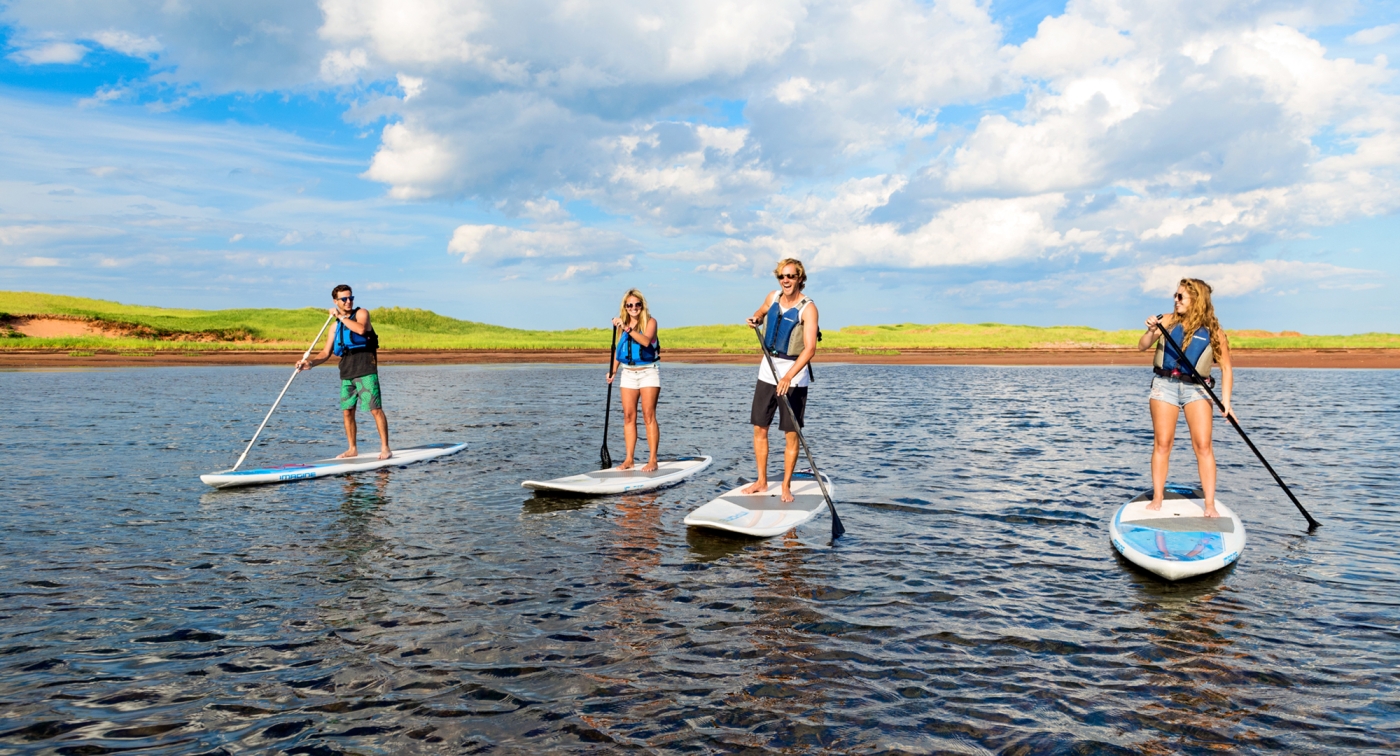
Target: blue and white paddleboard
[
  {"x": 1177, "y": 541},
  {"x": 668, "y": 472},
  {"x": 328, "y": 467},
  {"x": 764, "y": 514}
]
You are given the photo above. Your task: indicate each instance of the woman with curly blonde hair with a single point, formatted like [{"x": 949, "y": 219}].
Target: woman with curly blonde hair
[
  {"x": 1195, "y": 330},
  {"x": 638, "y": 356}
]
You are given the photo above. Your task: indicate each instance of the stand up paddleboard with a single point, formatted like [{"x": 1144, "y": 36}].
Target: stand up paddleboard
[
  {"x": 328, "y": 467},
  {"x": 1177, "y": 541},
  {"x": 669, "y": 472},
  {"x": 764, "y": 514}
]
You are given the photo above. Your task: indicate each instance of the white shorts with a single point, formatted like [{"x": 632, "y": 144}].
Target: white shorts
[{"x": 641, "y": 377}]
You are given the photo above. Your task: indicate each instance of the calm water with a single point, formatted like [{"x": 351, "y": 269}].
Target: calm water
[{"x": 975, "y": 605}]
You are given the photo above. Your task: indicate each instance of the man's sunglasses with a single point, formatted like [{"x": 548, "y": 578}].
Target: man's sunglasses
[
  {"x": 345, "y": 299},
  {"x": 785, "y": 276}
]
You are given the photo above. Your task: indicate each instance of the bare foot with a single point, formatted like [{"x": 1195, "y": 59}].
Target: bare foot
[
  {"x": 650, "y": 466},
  {"x": 348, "y": 453},
  {"x": 758, "y": 486},
  {"x": 787, "y": 494},
  {"x": 1210, "y": 510},
  {"x": 385, "y": 454},
  {"x": 1155, "y": 505},
  {"x": 626, "y": 465}
]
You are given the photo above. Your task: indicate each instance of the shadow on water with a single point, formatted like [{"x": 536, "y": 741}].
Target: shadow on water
[
  {"x": 551, "y": 503},
  {"x": 707, "y": 544}
]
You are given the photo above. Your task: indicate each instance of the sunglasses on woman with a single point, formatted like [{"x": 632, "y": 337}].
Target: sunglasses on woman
[
  {"x": 1180, "y": 297},
  {"x": 633, "y": 305}
]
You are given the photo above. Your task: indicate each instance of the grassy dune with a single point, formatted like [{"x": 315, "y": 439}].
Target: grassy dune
[{"x": 138, "y": 328}]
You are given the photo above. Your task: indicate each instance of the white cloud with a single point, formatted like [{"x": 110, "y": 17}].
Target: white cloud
[
  {"x": 1374, "y": 35},
  {"x": 1240, "y": 278},
  {"x": 53, "y": 52},
  {"x": 127, "y": 43},
  {"x": 41, "y": 262},
  {"x": 496, "y": 245}
]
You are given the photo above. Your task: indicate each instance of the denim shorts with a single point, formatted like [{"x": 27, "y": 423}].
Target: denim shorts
[{"x": 1176, "y": 392}]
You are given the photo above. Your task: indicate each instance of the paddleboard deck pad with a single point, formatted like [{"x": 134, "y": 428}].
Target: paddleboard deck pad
[
  {"x": 328, "y": 467},
  {"x": 764, "y": 514},
  {"x": 1177, "y": 541},
  {"x": 669, "y": 472}
]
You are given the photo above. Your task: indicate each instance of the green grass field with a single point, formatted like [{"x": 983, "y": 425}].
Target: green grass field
[{"x": 145, "y": 329}]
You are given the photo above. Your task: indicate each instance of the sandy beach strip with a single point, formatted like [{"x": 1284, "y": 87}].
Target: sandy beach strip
[{"x": 1270, "y": 358}]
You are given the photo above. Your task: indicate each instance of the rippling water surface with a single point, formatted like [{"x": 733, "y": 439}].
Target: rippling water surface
[{"x": 975, "y": 605}]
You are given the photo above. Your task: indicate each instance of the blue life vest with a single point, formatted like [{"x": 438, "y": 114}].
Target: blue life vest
[
  {"x": 1199, "y": 355},
  {"x": 783, "y": 335},
  {"x": 629, "y": 352},
  {"x": 348, "y": 342}
]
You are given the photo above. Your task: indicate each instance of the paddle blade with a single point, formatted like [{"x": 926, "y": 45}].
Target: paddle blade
[
  {"x": 604, "y": 459},
  {"x": 837, "y": 529}
]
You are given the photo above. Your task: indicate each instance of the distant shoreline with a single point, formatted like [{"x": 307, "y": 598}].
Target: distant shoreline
[{"x": 1246, "y": 358}]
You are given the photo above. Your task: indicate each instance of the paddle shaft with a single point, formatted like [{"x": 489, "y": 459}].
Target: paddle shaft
[
  {"x": 837, "y": 529},
  {"x": 1183, "y": 361},
  {"x": 605, "y": 458},
  {"x": 296, "y": 370}
]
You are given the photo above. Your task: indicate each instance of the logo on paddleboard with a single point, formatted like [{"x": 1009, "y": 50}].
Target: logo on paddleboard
[{"x": 296, "y": 476}]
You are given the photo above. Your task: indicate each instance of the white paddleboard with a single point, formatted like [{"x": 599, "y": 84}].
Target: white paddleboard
[
  {"x": 328, "y": 467},
  {"x": 1177, "y": 541},
  {"x": 669, "y": 472},
  {"x": 764, "y": 514}
]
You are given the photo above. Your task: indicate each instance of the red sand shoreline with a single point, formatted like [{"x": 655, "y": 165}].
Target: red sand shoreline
[{"x": 1274, "y": 358}]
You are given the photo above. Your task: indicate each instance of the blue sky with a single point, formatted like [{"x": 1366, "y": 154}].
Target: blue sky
[{"x": 524, "y": 163}]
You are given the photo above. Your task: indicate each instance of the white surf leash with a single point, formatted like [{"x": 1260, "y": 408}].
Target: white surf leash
[{"x": 296, "y": 370}]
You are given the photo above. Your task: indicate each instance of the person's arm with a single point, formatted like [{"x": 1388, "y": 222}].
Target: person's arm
[
  {"x": 358, "y": 324},
  {"x": 322, "y": 356},
  {"x": 809, "y": 348},
  {"x": 1227, "y": 374},
  {"x": 613, "y": 365},
  {"x": 1150, "y": 338},
  {"x": 648, "y": 333},
  {"x": 761, "y": 313}
]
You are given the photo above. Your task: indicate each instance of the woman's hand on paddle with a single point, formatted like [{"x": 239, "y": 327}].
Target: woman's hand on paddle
[
  {"x": 1227, "y": 410},
  {"x": 617, "y": 323},
  {"x": 303, "y": 364},
  {"x": 1153, "y": 321},
  {"x": 610, "y": 377}
]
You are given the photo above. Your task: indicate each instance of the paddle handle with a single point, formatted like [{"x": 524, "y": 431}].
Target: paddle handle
[
  {"x": 1191, "y": 369},
  {"x": 305, "y": 356},
  {"x": 837, "y": 528}
]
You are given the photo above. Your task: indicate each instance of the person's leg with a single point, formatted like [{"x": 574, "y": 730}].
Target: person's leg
[
  {"x": 797, "y": 400},
  {"x": 351, "y": 431},
  {"x": 760, "y": 455},
  {"x": 765, "y": 402},
  {"x": 790, "y": 452},
  {"x": 1199, "y": 421},
  {"x": 649, "y": 396},
  {"x": 381, "y": 422},
  {"x": 1164, "y": 416},
  {"x": 629, "y": 423}
]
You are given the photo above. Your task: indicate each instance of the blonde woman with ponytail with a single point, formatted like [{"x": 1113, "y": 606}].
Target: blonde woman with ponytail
[
  {"x": 1193, "y": 326},
  {"x": 638, "y": 356}
]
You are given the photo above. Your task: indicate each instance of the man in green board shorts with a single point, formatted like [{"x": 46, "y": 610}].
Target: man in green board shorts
[{"x": 357, "y": 345}]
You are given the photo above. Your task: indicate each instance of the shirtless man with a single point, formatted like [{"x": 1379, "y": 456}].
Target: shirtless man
[
  {"x": 356, "y": 344},
  {"x": 790, "y": 336}
]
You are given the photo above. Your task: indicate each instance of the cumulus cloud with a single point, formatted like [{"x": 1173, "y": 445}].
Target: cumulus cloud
[{"x": 885, "y": 134}]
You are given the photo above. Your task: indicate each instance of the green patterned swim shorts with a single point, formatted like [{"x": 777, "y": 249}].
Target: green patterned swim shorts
[{"x": 361, "y": 393}]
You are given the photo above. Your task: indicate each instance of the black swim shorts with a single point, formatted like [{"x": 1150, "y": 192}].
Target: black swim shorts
[{"x": 765, "y": 403}]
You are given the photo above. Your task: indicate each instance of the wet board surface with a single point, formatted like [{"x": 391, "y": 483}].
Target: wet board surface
[
  {"x": 669, "y": 472},
  {"x": 1178, "y": 541},
  {"x": 764, "y": 514},
  {"x": 287, "y": 473}
]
